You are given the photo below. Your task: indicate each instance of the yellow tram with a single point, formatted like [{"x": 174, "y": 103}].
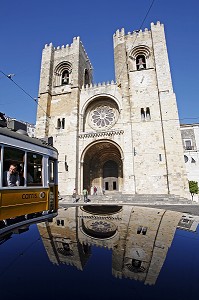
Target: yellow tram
[{"x": 35, "y": 163}]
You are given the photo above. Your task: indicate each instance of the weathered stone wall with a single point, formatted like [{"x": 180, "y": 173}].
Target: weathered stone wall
[
  {"x": 158, "y": 160},
  {"x": 150, "y": 149}
]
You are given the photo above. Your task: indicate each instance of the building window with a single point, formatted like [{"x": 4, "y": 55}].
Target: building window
[
  {"x": 148, "y": 116},
  {"x": 65, "y": 77},
  {"x": 62, "y": 73},
  {"x": 142, "y": 230},
  {"x": 63, "y": 123},
  {"x": 160, "y": 157},
  {"x": 103, "y": 116},
  {"x": 86, "y": 77},
  {"x": 142, "y": 114},
  {"x": 185, "y": 159},
  {"x": 188, "y": 145},
  {"x": 140, "y": 62},
  {"x": 58, "y": 123},
  {"x": 145, "y": 115},
  {"x": 135, "y": 266},
  {"x": 193, "y": 160}
]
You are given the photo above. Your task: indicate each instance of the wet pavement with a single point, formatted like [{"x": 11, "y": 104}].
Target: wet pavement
[{"x": 167, "y": 203}]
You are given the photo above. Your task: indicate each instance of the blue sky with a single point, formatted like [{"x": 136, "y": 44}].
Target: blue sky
[{"x": 26, "y": 26}]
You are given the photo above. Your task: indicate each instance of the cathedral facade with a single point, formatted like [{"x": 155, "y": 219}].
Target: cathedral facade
[{"x": 123, "y": 136}]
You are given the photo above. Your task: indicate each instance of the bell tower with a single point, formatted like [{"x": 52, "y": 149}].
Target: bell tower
[
  {"x": 64, "y": 70},
  {"x": 142, "y": 72}
]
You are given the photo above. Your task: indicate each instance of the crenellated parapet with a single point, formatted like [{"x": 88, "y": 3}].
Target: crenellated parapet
[
  {"x": 157, "y": 25},
  {"x": 120, "y": 35},
  {"x": 75, "y": 40},
  {"x": 109, "y": 91},
  {"x": 68, "y": 49},
  {"x": 100, "y": 84}
]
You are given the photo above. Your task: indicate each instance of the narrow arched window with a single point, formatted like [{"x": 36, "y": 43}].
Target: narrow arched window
[
  {"x": 148, "y": 115},
  {"x": 58, "y": 123},
  {"x": 63, "y": 123},
  {"x": 65, "y": 77},
  {"x": 193, "y": 160},
  {"x": 140, "y": 62},
  {"x": 86, "y": 77},
  {"x": 186, "y": 159},
  {"x": 63, "y": 73},
  {"x": 142, "y": 114}
]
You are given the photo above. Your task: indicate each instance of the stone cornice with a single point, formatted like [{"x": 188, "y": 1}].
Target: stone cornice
[{"x": 100, "y": 134}]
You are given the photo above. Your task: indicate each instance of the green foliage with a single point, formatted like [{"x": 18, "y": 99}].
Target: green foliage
[{"x": 193, "y": 187}]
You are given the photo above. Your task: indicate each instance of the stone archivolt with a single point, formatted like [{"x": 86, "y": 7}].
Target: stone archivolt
[
  {"x": 100, "y": 134},
  {"x": 140, "y": 50}
]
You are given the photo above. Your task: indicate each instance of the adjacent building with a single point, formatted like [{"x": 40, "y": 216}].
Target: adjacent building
[
  {"x": 190, "y": 140},
  {"x": 15, "y": 125}
]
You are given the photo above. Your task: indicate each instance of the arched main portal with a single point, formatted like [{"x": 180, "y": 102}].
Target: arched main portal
[{"x": 102, "y": 168}]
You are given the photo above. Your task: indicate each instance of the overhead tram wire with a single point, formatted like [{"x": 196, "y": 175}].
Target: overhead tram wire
[
  {"x": 194, "y": 118},
  {"x": 34, "y": 99}
]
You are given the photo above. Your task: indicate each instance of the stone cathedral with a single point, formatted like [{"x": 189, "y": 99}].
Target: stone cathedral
[{"x": 122, "y": 136}]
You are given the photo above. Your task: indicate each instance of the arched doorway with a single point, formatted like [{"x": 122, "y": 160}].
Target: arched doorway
[
  {"x": 110, "y": 175},
  {"x": 102, "y": 167}
]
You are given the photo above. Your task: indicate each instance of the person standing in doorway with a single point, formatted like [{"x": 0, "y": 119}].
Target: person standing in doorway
[
  {"x": 85, "y": 194},
  {"x": 95, "y": 190},
  {"x": 74, "y": 195}
]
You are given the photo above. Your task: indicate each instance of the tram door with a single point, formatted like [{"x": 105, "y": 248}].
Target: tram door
[
  {"x": 53, "y": 195},
  {"x": 110, "y": 176}
]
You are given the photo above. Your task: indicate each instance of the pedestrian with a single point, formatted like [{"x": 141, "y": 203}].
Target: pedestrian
[
  {"x": 59, "y": 197},
  {"x": 103, "y": 191},
  {"x": 95, "y": 190},
  {"x": 74, "y": 195},
  {"x": 85, "y": 194}
]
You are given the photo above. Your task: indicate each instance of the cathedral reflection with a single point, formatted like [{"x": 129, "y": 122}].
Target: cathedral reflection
[{"x": 138, "y": 236}]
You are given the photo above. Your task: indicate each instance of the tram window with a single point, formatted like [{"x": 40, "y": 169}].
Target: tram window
[
  {"x": 16, "y": 157},
  {"x": 34, "y": 169},
  {"x": 51, "y": 170}
]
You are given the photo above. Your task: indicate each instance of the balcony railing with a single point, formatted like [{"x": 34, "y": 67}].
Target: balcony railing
[{"x": 188, "y": 147}]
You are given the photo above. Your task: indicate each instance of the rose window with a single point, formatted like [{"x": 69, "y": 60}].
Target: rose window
[
  {"x": 101, "y": 226},
  {"x": 103, "y": 116}
]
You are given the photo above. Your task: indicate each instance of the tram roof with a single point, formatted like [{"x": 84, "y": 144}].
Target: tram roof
[{"x": 32, "y": 140}]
